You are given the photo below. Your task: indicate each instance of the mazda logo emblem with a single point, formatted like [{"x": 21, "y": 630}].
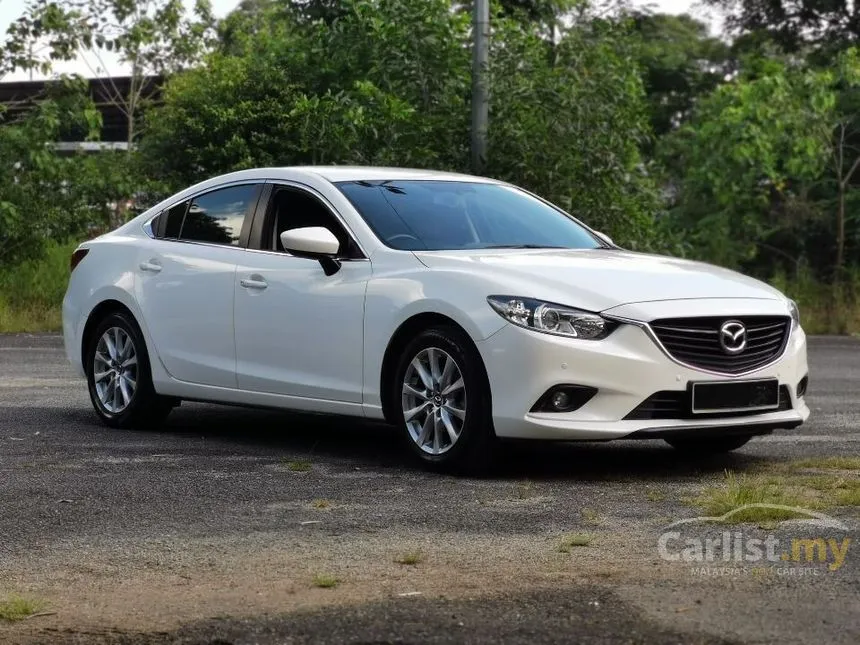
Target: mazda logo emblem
[{"x": 733, "y": 337}]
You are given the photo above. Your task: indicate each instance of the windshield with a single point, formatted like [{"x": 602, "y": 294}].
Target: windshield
[{"x": 448, "y": 215}]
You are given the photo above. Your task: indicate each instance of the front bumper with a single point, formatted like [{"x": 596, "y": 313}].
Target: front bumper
[{"x": 626, "y": 368}]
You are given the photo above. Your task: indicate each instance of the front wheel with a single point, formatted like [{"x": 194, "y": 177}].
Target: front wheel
[
  {"x": 119, "y": 377},
  {"x": 443, "y": 401},
  {"x": 711, "y": 445}
]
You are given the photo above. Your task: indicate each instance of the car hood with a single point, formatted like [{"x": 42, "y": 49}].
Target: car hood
[{"x": 598, "y": 279}]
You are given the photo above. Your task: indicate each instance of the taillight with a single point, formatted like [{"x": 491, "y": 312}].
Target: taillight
[{"x": 77, "y": 256}]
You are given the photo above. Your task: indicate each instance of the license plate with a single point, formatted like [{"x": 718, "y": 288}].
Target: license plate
[{"x": 735, "y": 396}]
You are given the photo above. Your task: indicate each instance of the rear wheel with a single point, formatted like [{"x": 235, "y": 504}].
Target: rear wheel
[
  {"x": 442, "y": 397},
  {"x": 119, "y": 376},
  {"x": 711, "y": 445}
]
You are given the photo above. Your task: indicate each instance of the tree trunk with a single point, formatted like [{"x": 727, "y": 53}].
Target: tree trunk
[{"x": 840, "y": 233}]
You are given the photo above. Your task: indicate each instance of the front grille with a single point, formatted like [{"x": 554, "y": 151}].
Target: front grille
[
  {"x": 696, "y": 341},
  {"x": 676, "y": 404}
]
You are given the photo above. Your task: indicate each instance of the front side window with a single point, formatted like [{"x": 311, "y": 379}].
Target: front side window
[
  {"x": 290, "y": 208},
  {"x": 217, "y": 217},
  {"x": 416, "y": 215}
]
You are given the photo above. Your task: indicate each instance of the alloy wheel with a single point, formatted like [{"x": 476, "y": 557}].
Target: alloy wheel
[
  {"x": 115, "y": 370},
  {"x": 434, "y": 401}
]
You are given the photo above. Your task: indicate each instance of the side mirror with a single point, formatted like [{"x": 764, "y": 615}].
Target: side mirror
[
  {"x": 315, "y": 242},
  {"x": 605, "y": 238}
]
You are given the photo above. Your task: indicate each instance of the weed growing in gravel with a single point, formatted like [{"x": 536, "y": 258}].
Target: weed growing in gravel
[
  {"x": 410, "y": 558},
  {"x": 18, "y": 608},
  {"x": 575, "y": 539},
  {"x": 827, "y": 463},
  {"x": 325, "y": 581},
  {"x": 321, "y": 503},
  {"x": 525, "y": 489},
  {"x": 592, "y": 517},
  {"x": 848, "y": 497},
  {"x": 655, "y": 495},
  {"x": 298, "y": 465},
  {"x": 742, "y": 490}
]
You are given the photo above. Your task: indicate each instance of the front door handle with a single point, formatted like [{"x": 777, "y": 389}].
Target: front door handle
[
  {"x": 151, "y": 267},
  {"x": 254, "y": 283}
]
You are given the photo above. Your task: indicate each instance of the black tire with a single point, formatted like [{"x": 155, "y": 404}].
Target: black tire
[
  {"x": 146, "y": 408},
  {"x": 475, "y": 447},
  {"x": 710, "y": 445}
]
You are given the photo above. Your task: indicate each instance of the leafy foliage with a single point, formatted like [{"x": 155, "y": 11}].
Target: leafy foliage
[{"x": 759, "y": 161}]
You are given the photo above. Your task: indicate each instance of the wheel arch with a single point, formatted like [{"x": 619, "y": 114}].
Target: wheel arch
[
  {"x": 401, "y": 337},
  {"x": 98, "y": 312}
]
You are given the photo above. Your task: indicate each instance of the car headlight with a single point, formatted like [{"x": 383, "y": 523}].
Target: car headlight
[
  {"x": 551, "y": 318},
  {"x": 795, "y": 314}
]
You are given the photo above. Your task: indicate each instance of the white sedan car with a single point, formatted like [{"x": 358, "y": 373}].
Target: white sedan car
[{"x": 459, "y": 309}]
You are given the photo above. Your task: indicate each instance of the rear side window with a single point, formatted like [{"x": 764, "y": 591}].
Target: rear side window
[
  {"x": 173, "y": 220},
  {"x": 217, "y": 217}
]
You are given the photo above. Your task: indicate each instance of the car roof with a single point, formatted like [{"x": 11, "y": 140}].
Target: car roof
[{"x": 374, "y": 173}]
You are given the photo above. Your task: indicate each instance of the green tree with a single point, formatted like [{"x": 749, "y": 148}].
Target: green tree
[
  {"x": 572, "y": 131},
  {"x": 150, "y": 38},
  {"x": 47, "y": 196},
  {"x": 386, "y": 83},
  {"x": 795, "y": 25},
  {"x": 768, "y": 155},
  {"x": 680, "y": 62}
]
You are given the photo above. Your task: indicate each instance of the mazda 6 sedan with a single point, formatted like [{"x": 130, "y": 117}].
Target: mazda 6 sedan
[{"x": 460, "y": 309}]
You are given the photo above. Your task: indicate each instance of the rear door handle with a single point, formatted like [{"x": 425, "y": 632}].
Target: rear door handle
[
  {"x": 152, "y": 266},
  {"x": 254, "y": 283}
]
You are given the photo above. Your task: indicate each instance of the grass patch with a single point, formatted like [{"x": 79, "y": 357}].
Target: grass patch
[
  {"x": 827, "y": 463},
  {"x": 18, "y": 608},
  {"x": 592, "y": 517},
  {"x": 411, "y": 558},
  {"x": 826, "y": 481},
  {"x": 574, "y": 540},
  {"x": 824, "y": 308},
  {"x": 655, "y": 495},
  {"x": 325, "y": 581},
  {"x": 298, "y": 465},
  {"x": 737, "y": 491},
  {"x": 31, "y": 293},
  {"x": 848, "y": 497},
  {"x": 321, "y": 503}
]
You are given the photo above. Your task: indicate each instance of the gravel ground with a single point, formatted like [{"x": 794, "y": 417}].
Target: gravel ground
[{"x": 205, "y": 532}]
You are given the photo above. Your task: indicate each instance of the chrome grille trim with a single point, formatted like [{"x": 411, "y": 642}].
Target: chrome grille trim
[{"x": 765, "y": 352}]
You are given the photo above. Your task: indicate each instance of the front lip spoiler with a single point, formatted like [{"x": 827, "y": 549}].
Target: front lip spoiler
[{"x": 711, "y": 431}]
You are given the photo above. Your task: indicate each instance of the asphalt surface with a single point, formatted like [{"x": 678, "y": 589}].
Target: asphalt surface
[{"x": 217, "y": 528}]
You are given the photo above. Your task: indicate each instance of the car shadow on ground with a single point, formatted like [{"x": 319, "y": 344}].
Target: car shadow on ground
[{"x": 357, "y": 443}]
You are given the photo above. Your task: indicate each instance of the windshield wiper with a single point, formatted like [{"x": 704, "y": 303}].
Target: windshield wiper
[{"x": 523, "y": 246}]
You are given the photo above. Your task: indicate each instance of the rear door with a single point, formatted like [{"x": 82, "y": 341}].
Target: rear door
[
  {"x": 184, "y": 282},
  {"x": 300, "y": 332}
]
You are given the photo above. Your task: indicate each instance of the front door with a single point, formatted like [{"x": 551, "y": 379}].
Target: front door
[{"x": 299, "y": 332}]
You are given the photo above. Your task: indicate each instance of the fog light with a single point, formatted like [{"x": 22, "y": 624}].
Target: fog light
[
  {"x": 801, "y": 387},
  {"x": 560, "y": 400},
  {"x": 564, "y": 398}
]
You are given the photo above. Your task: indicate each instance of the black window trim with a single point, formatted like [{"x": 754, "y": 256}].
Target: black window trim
[{"x": 261, "y": 216}]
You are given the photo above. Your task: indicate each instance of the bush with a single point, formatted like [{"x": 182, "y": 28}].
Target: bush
[
  {"x": 31, "y": 293},
  {"x": 824, "y": 308}
]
